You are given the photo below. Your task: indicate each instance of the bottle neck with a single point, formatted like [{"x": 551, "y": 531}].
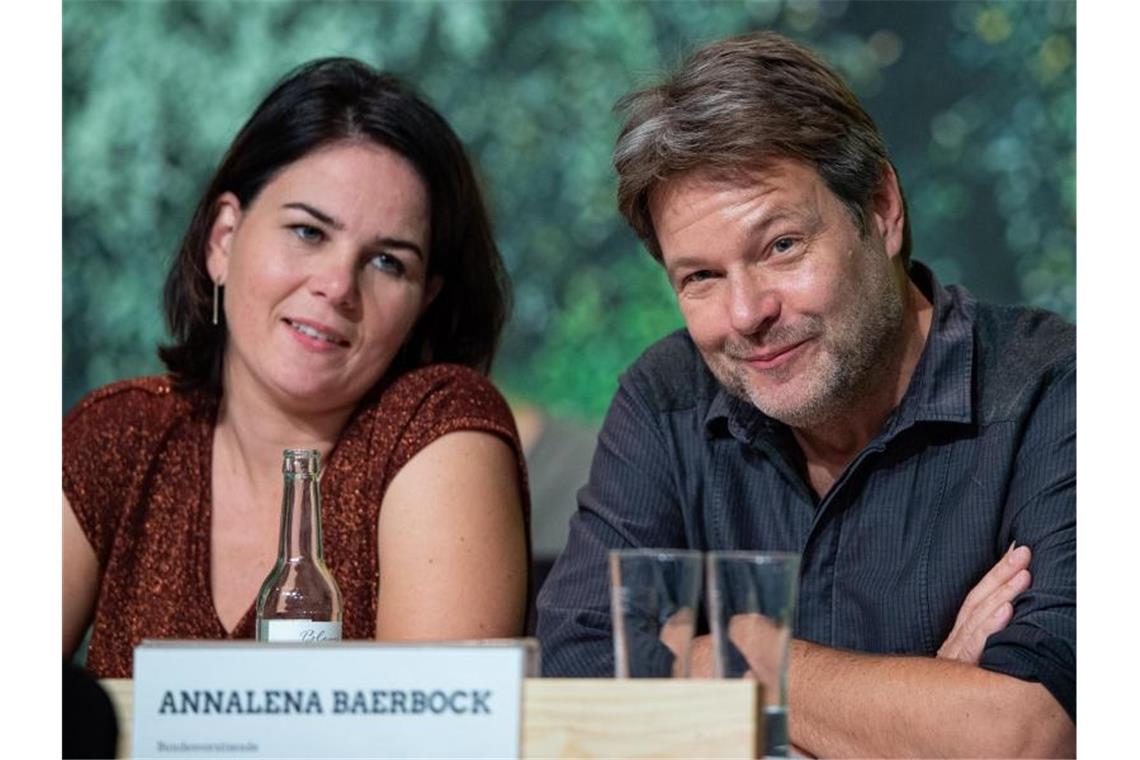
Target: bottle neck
[{"x": 301, "y": 519}]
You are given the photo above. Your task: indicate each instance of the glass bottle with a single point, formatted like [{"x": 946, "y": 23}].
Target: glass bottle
[{"x": 299, "y": 600}]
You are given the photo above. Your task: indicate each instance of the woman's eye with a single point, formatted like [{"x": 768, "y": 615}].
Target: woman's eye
[
  {"x": 386, "y": 262},
  {"x": 307, "y": 233}
]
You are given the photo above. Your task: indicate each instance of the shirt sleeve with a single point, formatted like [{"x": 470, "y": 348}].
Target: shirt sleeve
[
  {"x": 629, "y": 501},
  {"x": 1039, "y": 644},
  {"x": 102, "y": 436},
  {"x": 456, "y": 398}
]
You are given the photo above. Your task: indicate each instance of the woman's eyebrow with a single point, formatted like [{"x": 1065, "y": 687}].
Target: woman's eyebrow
[
  {"x": 382, "y": 241},
  {"x": 317, "y": 213}
]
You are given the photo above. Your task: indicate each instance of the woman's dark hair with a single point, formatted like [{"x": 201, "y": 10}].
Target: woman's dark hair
[{"x": 317, "y": 104}]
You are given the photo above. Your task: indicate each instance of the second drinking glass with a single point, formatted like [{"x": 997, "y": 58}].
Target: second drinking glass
[{"x": 752, "y": 606}]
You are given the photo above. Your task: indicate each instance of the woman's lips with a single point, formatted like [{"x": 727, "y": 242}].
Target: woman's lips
[{"x": 315, "y": 334}]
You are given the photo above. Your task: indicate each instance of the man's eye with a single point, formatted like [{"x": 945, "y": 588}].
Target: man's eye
[
  {"x": 784, "y": 244},
  {"x": 693, "y": 278},
  {"x": 307, "y": 233},
  {"x": 386, "y": 262}
]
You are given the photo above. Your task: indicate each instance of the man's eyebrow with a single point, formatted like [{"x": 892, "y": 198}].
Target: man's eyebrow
[
  {"x": 782, "y": 215},
  {"x": 320, "y": 215},
  {"x": 755, "y": 230},
  {"x": 382, "y": 241},
  {"x": 685, "y": 262}
]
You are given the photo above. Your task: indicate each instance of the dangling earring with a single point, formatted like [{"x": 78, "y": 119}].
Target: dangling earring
[{"x": 215, "y": 302}]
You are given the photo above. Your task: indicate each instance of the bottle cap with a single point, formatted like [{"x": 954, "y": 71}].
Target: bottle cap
[{"x": 301, "y": 462}]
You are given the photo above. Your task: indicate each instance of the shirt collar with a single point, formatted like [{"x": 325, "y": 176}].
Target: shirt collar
[{"x": 941, "y": 389}]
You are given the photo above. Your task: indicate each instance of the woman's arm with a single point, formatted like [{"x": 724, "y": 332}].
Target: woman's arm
[
  {"x": 80, "y": 581},
  {"x": 452, "y": 543}
]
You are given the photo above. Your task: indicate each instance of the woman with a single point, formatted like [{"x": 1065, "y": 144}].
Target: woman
[{"x": 338, "y": 288}]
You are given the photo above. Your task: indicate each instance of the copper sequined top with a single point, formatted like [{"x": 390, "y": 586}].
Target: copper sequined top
[{"x": 136, "y": 469}]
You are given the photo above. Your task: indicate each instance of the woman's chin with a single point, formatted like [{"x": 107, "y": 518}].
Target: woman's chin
[
  {"x": 317, "y": 396},
  {"x": 295, "y": 388}
]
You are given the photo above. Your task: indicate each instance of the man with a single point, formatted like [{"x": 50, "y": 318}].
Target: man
[{"x": 830, "y": 397}]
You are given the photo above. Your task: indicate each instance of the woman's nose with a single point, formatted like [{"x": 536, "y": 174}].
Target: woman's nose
[{"x": 334, "y": 279}]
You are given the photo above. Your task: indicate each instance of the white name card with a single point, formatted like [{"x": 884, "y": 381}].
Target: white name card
[{"x": 340, "y": 699}]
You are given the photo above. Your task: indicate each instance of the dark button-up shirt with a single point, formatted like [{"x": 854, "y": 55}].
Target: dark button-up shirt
[{"x": 980, "y": 452}]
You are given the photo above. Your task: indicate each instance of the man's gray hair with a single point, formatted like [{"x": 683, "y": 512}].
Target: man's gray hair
[{"x": 737, "y": 104}]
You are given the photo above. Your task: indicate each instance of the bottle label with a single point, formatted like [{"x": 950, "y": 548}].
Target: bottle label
[{"x": 304, "y": 631}]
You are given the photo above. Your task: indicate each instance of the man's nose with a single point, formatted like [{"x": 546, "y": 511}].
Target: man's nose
[{"x": 753, "y": 303}]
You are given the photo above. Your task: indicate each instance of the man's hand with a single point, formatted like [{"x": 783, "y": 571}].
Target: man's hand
[
  {"x": 677, "y": 634},
  {"x": 701, "y": 665},
  {"x": 764, "y": 645},
  {"x": 988, "y": 607},
  {"x": 759, "y": 640},
  {"x": 986, "y": 610}
]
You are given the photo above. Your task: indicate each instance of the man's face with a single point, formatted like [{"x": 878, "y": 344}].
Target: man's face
[{"x": 791, "y": 309}]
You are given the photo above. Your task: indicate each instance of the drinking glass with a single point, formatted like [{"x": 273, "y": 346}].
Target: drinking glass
[
  {"x": 752, "y": 603},
  {"x": 654, "y": 595}
]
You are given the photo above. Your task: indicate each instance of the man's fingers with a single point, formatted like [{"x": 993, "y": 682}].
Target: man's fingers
[
  {"x": 986, "y": 617},
  {"x": 1001, "y": 617},
  {"x": 1001, "y": 573},
  {"x": 967, "y": 641},
  {"x": 968, "y": 647},
  {"x": 984, "y": 620},
  {"x": 988, "y": 607}
]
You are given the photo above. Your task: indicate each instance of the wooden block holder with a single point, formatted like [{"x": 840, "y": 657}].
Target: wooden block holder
[{"x": 605, "y": 717}]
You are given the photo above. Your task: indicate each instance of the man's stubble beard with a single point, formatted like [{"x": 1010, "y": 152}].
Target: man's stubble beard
[{"x": 860, "y": 347}]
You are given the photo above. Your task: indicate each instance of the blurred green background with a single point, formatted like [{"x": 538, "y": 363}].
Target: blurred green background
[{"x": 976, "y": 100}]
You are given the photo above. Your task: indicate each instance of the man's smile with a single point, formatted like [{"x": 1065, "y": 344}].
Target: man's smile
[{"x": 770, "y": 358}]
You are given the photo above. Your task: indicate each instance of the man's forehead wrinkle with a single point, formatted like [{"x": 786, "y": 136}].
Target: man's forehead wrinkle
[
  {"x": 692, "y": 202},
  {"x": 757, "y": 210}
]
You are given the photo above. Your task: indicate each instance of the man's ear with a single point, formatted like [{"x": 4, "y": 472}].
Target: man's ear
[
  {"x": 219, "y": 244},
  {"x": 887, "y": 212}
]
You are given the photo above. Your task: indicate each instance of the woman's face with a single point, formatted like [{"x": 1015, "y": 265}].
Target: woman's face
[{"x": 325, "y": 275}]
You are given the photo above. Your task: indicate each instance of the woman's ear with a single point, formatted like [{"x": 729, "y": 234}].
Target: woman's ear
[
  {"x": 227, "y": 216},
  {"x": 435, "y": 284}
]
